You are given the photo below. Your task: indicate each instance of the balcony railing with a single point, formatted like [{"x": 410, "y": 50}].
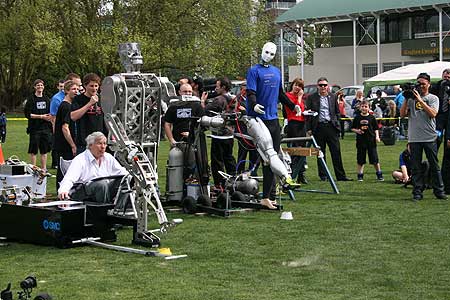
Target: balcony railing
[{"x": 279, "y": 5}]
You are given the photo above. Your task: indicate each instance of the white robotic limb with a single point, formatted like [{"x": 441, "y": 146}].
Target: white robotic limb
[
  {"x": 133, "y": 158},
  {"x": 260, "y": 135}
]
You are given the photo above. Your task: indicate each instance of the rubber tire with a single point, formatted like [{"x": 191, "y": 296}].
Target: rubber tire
[
  {"x": 189, "y": 205},
  {"x": 222, "y": 201},
  {"x": 204, "y": 200},
  {"x": 238, "y": 196}
]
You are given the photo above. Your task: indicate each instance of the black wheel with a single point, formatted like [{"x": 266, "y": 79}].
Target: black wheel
[
  {"x": 222, "y": 201},
  {"x": 189, "y": 205},
  {"x": 238, "y": 196},
  {"x": 43, "y": 296},
  {"x": 204, "y": 200}
]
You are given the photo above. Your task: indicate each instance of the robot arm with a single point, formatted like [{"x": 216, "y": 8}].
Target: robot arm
[{"x": 260, "y": 135}]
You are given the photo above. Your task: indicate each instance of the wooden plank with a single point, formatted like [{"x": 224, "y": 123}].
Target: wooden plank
[{"x": 301, "y": 151}]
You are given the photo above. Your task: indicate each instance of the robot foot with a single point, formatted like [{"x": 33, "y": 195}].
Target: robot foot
[
  {"x": 267, "y": 203},
  {"x": 289, "y": 184}
]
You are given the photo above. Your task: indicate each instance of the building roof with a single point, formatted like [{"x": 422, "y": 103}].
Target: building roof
[{"x": 312, "y": 11}]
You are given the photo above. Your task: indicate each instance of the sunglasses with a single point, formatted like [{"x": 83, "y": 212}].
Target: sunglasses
[{"x": 323, "y": 85}]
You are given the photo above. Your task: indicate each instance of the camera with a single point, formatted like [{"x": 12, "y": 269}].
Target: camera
[
  {"x": 27, "y": 285},
  {"x": 445, "y": 85},
  {"x": 408, "y": 89}
]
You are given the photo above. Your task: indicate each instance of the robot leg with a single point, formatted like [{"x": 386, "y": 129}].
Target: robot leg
[{"x": 261, "y": 136}]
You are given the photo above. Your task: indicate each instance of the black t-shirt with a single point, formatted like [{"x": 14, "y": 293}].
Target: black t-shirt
[
  {"x": 63, "y": 117},
  {"x": 181, "y": 114},
  {"x": 90, "y": 122},
  {"x": 38, "y": 106},
  {"x": 368, "y": 124}
]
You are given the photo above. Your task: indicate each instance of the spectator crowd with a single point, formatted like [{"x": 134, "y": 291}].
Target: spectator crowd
[{"x": 60, "y": 125}]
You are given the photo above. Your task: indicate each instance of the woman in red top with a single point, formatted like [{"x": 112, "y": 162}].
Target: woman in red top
[
  {"x": 296, "y": 127},
  {"x": 341, "y": 102}
]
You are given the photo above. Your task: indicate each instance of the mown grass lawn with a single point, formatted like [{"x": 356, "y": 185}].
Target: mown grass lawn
[{"x": 369, "y": 242}]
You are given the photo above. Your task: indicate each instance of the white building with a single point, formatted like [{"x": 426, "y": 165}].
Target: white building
[{"x": 370, "y": 37}]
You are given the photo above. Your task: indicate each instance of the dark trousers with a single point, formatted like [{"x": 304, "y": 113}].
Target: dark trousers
[
  {"x": 418, "y": 180},
  {"x": 269, "y": 190},
  {"x": 297, "y": 129},
  {"x": 222, "y": 159},
  {"x": 100, "y": 191},
  {"x": 446, "y": 168},
  {"x": 326, "y": 134},
  {"x": 59, "y": 174},
  {"x": 342, "y": 122},
  {"x": 253, "y": 156}
]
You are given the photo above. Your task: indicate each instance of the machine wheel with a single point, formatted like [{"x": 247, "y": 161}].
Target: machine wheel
[
  {"x": 189, "y": 205},
  {"x": 238, "y": 196},
  {"x": 204, "y": 200},
  {"x": 222, "y": 201}
]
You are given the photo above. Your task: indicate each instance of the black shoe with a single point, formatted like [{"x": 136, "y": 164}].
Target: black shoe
[
  {"x": 345, "y": 179},
  {"x": 302, "y": 179},
  {"x": 441, "y": 196},
  {"x": 417, "y": 197}
]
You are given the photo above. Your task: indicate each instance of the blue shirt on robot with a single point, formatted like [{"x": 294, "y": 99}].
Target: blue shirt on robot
[{"x": 266, "y": 82}]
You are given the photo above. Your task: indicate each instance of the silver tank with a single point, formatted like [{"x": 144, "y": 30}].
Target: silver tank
[{"x": 174, "y": 179}]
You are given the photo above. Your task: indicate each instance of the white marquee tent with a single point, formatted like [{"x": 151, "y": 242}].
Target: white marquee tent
[{"x": 408, "y": 73}]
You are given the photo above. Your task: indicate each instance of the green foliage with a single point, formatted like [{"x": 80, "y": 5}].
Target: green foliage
[{"x": 48, "y": 39}]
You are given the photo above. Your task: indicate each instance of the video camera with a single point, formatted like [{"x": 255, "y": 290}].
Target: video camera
[
  {"x": 27, "y": 285},
  {"x": 408, "y": 89},
  {"x": 445, "y": 85}
]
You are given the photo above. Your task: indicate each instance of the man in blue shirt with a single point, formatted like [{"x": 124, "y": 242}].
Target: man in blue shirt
[
  {"x": 264, "y": 90},
  {"x": 54, "y": 105}
]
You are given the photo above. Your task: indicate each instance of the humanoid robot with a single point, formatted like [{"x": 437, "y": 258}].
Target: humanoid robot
[{"x": 264, "y": 90}]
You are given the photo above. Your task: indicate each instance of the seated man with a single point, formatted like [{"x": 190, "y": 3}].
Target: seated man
[{"x": 88, "y": 168}]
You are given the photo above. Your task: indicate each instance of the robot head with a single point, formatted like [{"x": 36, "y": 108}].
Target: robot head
[
  {"x": 268, "y": 52},
  {"x": 131, "y": 57}
]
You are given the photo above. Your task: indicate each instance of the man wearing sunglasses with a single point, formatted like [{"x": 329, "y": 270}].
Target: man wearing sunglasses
[
  {"x": 325, "y": 127},
  {"x": 421, "y": 109}
]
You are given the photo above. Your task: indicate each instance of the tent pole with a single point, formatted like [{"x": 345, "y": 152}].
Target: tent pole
[
  {"x": 282, "y": 56},
  {"x": 302, "y": 61},
  {"x": 354, "y": 53},
  {"x": 378, "y": 45}
]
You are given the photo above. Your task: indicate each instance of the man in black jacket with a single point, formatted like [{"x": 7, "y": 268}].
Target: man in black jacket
[
  {"x": 221, "y": 138},
  {"x": 439, "y": 89},
  {"x": 325, "y": 127}
]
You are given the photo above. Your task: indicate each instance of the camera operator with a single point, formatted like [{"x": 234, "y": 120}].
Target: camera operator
[
  {"x": 442, "y": 90},
  {"x": 421, "y": 108}
]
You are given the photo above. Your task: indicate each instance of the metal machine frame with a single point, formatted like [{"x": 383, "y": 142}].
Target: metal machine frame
[{"x": 133, "y": 102}]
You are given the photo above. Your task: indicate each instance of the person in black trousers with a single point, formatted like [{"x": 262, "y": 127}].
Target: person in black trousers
[{"x": 325, "y": 127}]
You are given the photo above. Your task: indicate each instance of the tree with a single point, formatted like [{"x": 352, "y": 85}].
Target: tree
[
  {"x": 315, "y": 36},
  {"x": 47, "y": 39}
]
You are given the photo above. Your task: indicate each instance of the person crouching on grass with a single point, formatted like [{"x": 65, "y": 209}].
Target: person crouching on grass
[{"x": 367, "y": 136}]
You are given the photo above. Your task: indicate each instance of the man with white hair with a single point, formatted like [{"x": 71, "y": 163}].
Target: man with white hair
[{"x": 91, "y": 169}]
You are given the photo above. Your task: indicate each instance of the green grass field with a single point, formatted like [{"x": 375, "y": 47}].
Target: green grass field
[{"x": 369, "y": 242}]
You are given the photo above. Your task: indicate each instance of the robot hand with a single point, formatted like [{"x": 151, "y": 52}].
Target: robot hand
[
  {"x": 259, "y": 109},
  {"x": 298, "y": 110}
]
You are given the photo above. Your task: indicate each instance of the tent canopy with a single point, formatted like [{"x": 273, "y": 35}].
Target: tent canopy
[
  {"x": 311, "y": 11},
  {"x": 408, "y": 74}
]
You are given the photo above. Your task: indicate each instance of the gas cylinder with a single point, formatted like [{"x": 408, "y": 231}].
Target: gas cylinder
[{"x": 174, "y": 179}]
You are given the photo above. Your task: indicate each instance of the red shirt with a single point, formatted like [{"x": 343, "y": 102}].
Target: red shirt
[
  {"x": 291, "y": 114},
  {"x": 342, "y": 108}
]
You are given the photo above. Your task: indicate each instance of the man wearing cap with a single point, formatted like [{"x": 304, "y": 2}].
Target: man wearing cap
[{"x": 421, "y": 109}]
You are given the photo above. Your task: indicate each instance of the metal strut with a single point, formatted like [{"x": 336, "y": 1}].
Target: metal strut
[{"x": 133, "y": 158}]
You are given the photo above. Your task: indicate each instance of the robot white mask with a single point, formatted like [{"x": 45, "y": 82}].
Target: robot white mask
[{"x": 268, "y": 52}]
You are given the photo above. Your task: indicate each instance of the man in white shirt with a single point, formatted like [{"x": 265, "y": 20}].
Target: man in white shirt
[{"x": 88, "y": 168}]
